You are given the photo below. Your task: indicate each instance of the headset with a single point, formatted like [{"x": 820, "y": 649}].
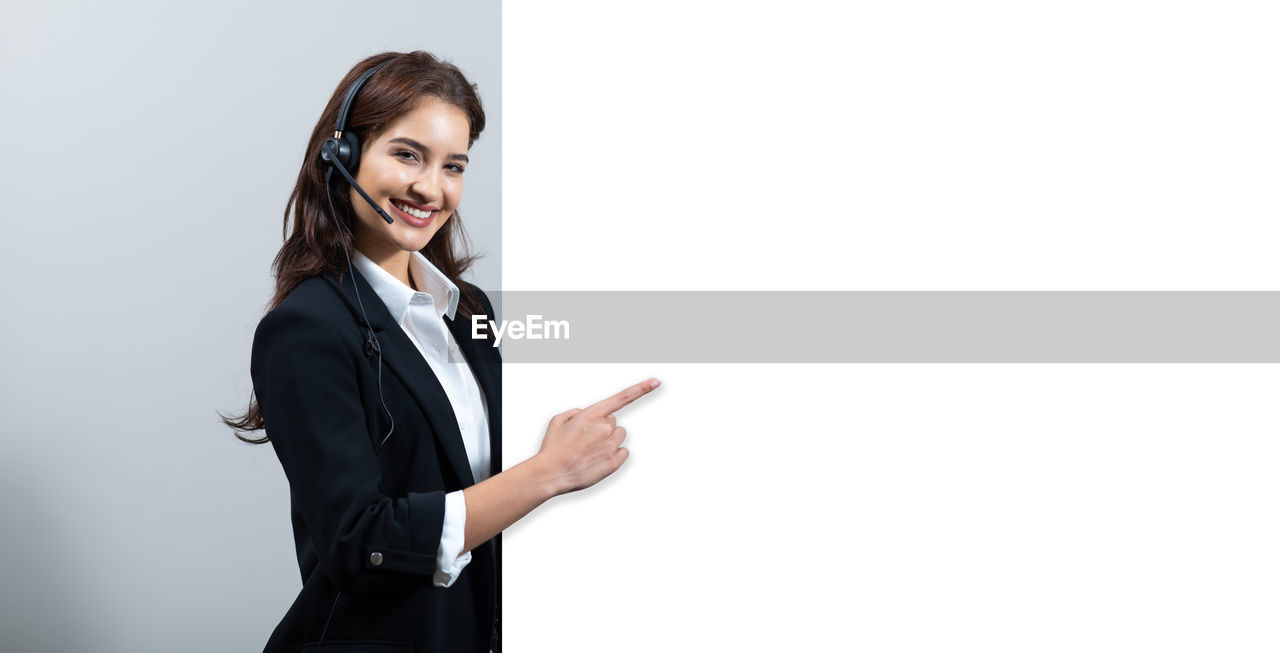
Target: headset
[{"x": 341, "y": 152}]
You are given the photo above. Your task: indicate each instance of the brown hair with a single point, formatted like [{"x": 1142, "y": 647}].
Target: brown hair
[{"x": 313, "y": 245}]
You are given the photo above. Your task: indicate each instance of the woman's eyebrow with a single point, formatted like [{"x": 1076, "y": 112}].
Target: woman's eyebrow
[{"x": 423, "y": 148}]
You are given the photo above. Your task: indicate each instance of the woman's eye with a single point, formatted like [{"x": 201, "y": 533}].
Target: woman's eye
[
  {"x": 407, "y": 155},
  {"x": 456, "y": 168}
]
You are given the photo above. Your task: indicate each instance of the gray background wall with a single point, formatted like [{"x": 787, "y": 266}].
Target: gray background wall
[{"x": 150, "y": 148}]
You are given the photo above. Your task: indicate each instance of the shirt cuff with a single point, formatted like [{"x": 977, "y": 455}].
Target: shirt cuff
[{"x": 450, "y": 559}]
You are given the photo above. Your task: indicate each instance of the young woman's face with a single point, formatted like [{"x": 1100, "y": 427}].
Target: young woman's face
[{"x": 413, "y": 170}]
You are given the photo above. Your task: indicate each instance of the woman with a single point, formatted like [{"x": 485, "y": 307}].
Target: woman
[{"x": 384, "y": 413}]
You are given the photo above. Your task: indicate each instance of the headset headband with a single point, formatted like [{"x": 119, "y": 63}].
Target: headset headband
[{"x": 351, "y": 98}]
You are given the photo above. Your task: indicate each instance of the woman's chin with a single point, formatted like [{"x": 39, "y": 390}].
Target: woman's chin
[
  {"x": 416, "y": 245},
  {"x": 412, "y": 242}
]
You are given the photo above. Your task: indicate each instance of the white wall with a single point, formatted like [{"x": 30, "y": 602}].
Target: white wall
[{"x": 899, "y": 146}]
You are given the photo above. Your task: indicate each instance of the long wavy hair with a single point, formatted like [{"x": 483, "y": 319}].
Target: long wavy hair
[{"x": 312, "y": 243}]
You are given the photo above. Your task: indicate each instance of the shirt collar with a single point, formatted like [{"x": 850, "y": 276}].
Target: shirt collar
[{"x": 444, "y": 293}]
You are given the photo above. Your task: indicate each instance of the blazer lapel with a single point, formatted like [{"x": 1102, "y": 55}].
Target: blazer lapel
[
  {"x": 406, "y": 362},
  {"x": 485, "y": 363}
]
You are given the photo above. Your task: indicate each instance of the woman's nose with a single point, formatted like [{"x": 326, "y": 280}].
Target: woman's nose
[{"x": 428, "y": 187}]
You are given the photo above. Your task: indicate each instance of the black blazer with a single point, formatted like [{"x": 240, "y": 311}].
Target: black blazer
[{"x": 367, "y": 522}]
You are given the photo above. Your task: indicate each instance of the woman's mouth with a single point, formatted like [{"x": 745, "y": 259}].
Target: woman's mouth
[{"x": 414, "y": 215}]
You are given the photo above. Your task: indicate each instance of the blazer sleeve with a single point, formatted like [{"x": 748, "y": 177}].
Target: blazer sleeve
[{"x": 305, "y": 380}]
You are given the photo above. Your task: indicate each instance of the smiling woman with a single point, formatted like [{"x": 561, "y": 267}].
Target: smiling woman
[
  {"x": 392, "y": 122},
  {"x": 396, "y": 483}
]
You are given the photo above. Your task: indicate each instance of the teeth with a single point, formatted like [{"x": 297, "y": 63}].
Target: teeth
[{"x": 414, "y": 212}]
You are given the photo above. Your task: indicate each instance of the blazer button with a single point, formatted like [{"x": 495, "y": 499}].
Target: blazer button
[{"x": 375, "y": 559}]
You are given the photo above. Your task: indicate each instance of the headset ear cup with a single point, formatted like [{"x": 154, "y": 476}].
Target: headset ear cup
[
  {"x": 329, "y": 150},
  {"x": 345, "y": 150},
  {"x": 350, "y": 152}
]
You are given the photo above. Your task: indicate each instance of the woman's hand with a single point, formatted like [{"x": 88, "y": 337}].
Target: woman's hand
[
  {"x": 580, "y": 448},
  {"x": 584, "y": 445}
]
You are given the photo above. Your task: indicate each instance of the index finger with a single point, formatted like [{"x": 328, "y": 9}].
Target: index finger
[{"x": 616, "y": 402}]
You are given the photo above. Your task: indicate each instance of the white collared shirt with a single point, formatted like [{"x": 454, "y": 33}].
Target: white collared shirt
[{"x": 421, "y": 314}]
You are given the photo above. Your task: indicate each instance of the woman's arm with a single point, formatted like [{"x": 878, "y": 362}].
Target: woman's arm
[{"x": 581, "y": 447}]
